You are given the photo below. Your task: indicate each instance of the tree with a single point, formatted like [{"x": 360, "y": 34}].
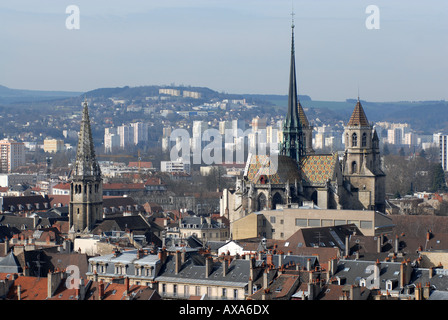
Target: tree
[{"x": 437, "y": 176}]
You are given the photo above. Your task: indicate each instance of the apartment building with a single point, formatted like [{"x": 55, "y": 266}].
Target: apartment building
[{"x": 12, "y": 155}]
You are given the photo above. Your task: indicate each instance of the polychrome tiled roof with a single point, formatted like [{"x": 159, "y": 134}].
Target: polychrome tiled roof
[{"x": 318, "y": 168}]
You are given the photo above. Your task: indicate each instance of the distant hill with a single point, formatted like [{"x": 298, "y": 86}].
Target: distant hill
[
  {"x": 8, "y": 95},
  {"x": 423, "y": 116}
]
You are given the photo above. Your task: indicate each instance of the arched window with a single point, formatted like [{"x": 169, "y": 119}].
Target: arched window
[
  {"x": 354, "y": 167},
  {"x": 276, "y": 199},
  {"x": 364, "y": 140},
  {"x": 354, "y": 140},
  {"x": 261, "y": 202}
]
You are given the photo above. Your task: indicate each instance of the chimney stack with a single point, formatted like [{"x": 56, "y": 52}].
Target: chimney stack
[
  {"x": 6, "y": 246},
  {"x": 265, "y": 279},
  {"x": 308, "y": 264},
  {"x": 126, "y": 282},
  {"x": 101, "y": 290},
  {"x": 379, "y": 243},
  {"x": 208, "y": 266},
  {"x": 225, "y": 267},
  {"x": 397, "y": 244},
  {"x": 19, "y": 292},
  {"x": 178, "y": 263},
  {"x": 377, "y": 271},
  {"x": 430, "y": 272},
  {"x": 53, "y": 281},
  {"x": 269, "y": 259},
  {"x": 347, "y": 246}
]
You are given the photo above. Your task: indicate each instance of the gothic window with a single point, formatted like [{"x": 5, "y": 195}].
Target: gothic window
[
  {"x": 261, "y": 202},
  {"x": 364, "y": 140},
  {"x": 354, "y": 167},
  {"x": 354, "y": 140},
  {"x": 277, "y": 199}
]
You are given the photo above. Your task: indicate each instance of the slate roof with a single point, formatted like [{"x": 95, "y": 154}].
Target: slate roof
[
  {"x": 10, "y": 264},
  {"x": 33, "y": 202},
  {"x": 354, "y": 270},
  {"x": 128, "y": 258},
  {"x": 193, "y": 271}
]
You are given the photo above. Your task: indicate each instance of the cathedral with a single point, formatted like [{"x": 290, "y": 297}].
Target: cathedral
[
  {"x": 86, "y": 191},
  {"x": 298, "y": 176}
]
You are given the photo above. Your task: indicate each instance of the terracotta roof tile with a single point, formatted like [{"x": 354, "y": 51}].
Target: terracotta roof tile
[{"x": 358, "y": 117}]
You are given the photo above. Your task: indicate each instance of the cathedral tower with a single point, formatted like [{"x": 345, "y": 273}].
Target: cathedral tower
[
  {"x": 292, "y": 144},
  {"x": 86, "y": 191}
]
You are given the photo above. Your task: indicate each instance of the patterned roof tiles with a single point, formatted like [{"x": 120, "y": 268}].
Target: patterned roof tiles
[{"x": 317, "y": 169}]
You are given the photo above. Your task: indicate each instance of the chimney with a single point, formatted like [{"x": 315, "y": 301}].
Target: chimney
[
  {"x": 377, "y": 271},
  {"x": 225, "y": 267},
  {"x": 379, "y": 243},
  {"x": 430, "y": 272},
  {"x": 126, "y": 282},
  {"x": 428, "y": 235},
  {"x": 280, "y": 260},
  {"x": 265, "y": 279},
  {"x": 183, "y": 255},
  {"x": 139, "y": 253},
  {"x": 308, "y": 264},
  {"x": 19, "y": 292},
  {"x": 162, "y": 255},
  {"x": 347, "y": 246},
  {"x": 6, "y": 246},
  {"x": 418, "y": 292},
  {"x": 250, "y": 287},
  {"x": 53, "y": 281},
  {"x": 402, "y": 274},
  {"x": 178, "y": 263},
  {"x": 101, "y": 290},
  {"x": 82, "y": 289},
  {"x": 269, "y": 259},
  {"x": 311, "y": 291},
  {"x": 251, "y": 268},
  {"x": 332, "y": 264},
  {"x": 208, "y": 266},
  {"x": 426, "y": 291},
  {"x": 397, "y": 244}
]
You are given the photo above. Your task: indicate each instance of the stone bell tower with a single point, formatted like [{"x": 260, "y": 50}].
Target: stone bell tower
[
  {"x": 362, "y": 163},
  {"x": 86, "y": 188}
]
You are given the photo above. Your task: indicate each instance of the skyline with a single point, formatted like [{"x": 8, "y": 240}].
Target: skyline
[{"x": 229, "y": 47}]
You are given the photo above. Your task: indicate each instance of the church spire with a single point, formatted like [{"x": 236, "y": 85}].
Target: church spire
[
  {"x": 292, "y": 144},
  {"x": 86, "y": 164}
]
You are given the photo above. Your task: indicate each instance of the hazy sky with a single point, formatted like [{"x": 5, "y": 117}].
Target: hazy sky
[{"x": 235, "y": 46}]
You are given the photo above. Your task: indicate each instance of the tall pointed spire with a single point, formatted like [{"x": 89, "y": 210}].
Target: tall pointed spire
[
  {"x": 86, "y": 164},
  {"x": 292, "y": 144},
  {"x": 86, "y": 192}
]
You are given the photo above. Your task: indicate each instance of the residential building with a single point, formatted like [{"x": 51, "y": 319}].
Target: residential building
[
  {"x": 441, "y": 142},
  {"x": 53, "y": 145},
  {"x": 174, "y": 167},
  {"x": 12, "y": 155}
]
